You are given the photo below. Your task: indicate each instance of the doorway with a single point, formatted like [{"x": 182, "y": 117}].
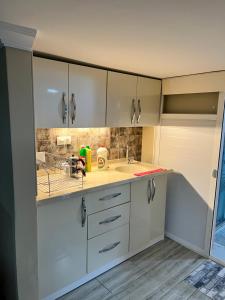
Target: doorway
[{"x": 218, "y": 234}]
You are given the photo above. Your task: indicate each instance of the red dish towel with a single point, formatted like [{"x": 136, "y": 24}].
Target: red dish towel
[{"x": 150, "y": 172}]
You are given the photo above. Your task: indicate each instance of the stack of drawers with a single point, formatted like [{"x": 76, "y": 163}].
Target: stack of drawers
[{"x": 108, "y": 225}]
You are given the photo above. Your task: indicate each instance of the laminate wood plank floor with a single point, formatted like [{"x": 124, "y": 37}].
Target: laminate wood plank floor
[{"x": 156, "y": 273}]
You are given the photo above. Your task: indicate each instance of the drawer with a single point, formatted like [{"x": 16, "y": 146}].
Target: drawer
[
  {"x": 107, "y": 220},
  {"x": 107, "y": 247},
  {"x": 107, "y": 198}
]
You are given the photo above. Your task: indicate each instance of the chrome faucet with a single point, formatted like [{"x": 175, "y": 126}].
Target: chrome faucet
[{"x": 130, "y": 160}]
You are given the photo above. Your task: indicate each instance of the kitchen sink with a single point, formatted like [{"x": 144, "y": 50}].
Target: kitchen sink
[{"x": 132, "y": 168}]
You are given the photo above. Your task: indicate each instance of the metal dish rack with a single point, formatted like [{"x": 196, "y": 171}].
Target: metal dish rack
[{"x": 54, "y": 175}]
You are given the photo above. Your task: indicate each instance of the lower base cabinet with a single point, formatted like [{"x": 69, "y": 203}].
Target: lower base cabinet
[
  {"x": 147, "y": 213},
  {"x": 121, "y": 222},
  {"x": 62, "y": 245}
]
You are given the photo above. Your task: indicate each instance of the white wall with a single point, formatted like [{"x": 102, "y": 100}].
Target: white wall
[
  {"x": 206, "y": 82},
  {"x": 148, "y": 135},
  {"x": 187, "y": 147},
  {"x": 191, "y": 148}
]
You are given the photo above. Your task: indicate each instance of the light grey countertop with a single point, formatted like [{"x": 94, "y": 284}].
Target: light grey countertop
[{"x": 98, "y": 179}]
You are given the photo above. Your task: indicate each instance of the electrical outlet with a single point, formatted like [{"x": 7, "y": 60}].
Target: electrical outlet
[
  {"x": 40, "y": 156},
  {"x": 63, "y": 140}
]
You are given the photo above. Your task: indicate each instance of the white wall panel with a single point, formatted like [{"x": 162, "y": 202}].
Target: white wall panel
[
  {"x": 197, "y": 83},
  {"x": 187, "y": 147}
]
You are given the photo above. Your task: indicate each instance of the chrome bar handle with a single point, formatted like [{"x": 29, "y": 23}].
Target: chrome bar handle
[
  {"x": 64, "y": 108},
  {"x": 153, "y": 184},
  {"x": 110, "y": 220},
  {"x": 149, "y": 191},
  {"x": 83, "y": 212},
  {"x": 108, "y": 197},
  {"x": 133, "y": 111},
  {"x": 74, "y": 108},
  {"x": 108, "y": 248},
  {"x": 139, "y": 111}
]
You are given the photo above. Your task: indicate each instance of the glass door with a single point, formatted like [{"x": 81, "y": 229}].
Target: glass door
[{"x": 218, "y": 237}]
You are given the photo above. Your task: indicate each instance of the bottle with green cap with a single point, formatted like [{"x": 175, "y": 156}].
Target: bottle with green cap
[{"x": 83, "y": 153}]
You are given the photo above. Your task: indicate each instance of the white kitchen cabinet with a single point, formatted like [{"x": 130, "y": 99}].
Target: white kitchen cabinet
[
  {"x": 108, "y": 219},
  {"x": 87, "y": 96},
  {"x": 148, "y": 101},
  {"x": 117, "y": 229},
  {"x": 147, "y": 219},
  {"x": 157, "y": 208},
  {"x": 50, "y": 83},
  {"x": 132, "y": 100},
  {"x": 70, "y": 95},
  {"x": 108, "y": 246},
  {"x": 107, "y": 198},
  {"x": 62, "y": 244},
  {"x": 121, "y": 98},
  {"x": 67, "y": 95}
]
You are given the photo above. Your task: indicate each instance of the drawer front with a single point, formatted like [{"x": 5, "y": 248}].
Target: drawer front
[
  {"x": 107, "y": 198},
  {"x": 107, "y": 220},
  {"x": 107, "y": 247}
]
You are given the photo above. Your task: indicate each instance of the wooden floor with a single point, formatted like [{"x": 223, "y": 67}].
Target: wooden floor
[{"x": 156, "y": 273}]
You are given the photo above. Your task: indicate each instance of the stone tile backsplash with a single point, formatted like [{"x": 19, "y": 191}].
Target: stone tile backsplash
[{"x": 114, "y": 139}]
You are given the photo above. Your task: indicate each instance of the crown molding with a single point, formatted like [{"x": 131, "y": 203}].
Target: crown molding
[{"x": 16, "y": 36}]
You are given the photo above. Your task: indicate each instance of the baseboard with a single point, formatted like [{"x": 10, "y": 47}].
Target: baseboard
[
  {"x": 100, "y": 271},
  {"x": 186, "y": 244},
  {"x": 153, "y": 242},
  {"x": 217, "y": 260}
]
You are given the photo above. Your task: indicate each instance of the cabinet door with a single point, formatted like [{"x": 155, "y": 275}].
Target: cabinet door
[
  {"x": 140, "y": 221},
  {"x": 157, "y": 208},
  {"x": 148, "y": 200},
  {"x": 62, "y": 245},
  {"x": 148, "y": 101},
  {"x": 87, "y": 92},
  {"x": 50, "y": 81},
  {"x": 121, "y": 97}
]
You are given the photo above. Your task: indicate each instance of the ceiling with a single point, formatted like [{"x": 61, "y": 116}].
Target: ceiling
[{"x": 160, "y": 38}]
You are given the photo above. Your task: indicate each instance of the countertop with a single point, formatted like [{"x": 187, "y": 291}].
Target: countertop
[{"x": 97, "y": 179}]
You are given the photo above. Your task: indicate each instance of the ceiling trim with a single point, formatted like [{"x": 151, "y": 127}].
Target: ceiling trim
[
  {"x": 16, "y": 36},
  {"x": 82, "y": 63},
  {"x": 191, "y": 74}
]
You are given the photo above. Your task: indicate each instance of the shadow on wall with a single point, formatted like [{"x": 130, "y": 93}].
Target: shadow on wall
[{"x": 186, "y": 211}]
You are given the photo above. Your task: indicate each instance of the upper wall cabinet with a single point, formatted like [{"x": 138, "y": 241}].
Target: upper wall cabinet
[
  {"x": 67, "y": 95},
  {"x": 50, "y": 80},
  {"x": 132, "y": 100},
  {"x": 148, "y": 101},
  {"x": 194, "y": 106},
  {"x": 87, "y": 96},
  {"x": 121, "y": 98}
]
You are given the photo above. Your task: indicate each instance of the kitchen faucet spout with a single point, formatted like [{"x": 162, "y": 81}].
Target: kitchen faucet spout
[{"x": 130, "y": 160}]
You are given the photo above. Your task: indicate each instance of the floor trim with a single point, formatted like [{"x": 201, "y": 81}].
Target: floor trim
[
  {"x": 186, "y": 244},
  {"x": 217, "y": 260}
]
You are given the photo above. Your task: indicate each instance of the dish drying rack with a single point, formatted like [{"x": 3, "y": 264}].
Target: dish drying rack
[{"x": 54, "y": 175}]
